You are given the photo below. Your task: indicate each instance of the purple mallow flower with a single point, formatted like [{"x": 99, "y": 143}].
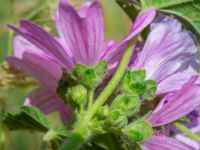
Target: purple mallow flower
[
  {"x": 172, "y": 107},
  {"x": 168, "y": 55},
  {"x": 164, "y": 143},
  {"x": 81, "y": 40},
  {"x": 176, "y": 105}
]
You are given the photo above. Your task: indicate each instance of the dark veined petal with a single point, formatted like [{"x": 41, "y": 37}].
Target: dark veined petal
[
  {"x": 82, "y": 31},
  {"x": 44, "y": 69},
  {"x": 45, "y": 42},
  {"x": 21, "y": 45},
  {"x": 176, "y": 105},
  {"x": 117, "y": 50},
  {"x": 164, "y": 143},
  {"x": 167, "y": 50},
  {"x": 47, "y": 101}
]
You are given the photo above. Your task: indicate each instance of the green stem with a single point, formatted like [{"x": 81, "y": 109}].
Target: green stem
[
  {"x": 82, "y": 132},
  {"x": 37, "y": 10},
  {"x": 112, "y": 84},
  {"x": 90, "y": 98},
  {"x": 44, "y": 145},
  {"x": 143, "y": 3},
  {"x": 9, "y": 46},
  {"x": 77, "y": 138},
  {"x": 2, "y": 139},
  {"x": 186, "y": 131}
]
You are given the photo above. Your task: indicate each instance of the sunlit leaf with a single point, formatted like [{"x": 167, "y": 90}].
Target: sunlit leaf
[{"x": 27, "y": 118}]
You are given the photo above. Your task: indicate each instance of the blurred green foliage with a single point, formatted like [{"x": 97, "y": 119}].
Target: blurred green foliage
[{"x": 42, "y": 12}]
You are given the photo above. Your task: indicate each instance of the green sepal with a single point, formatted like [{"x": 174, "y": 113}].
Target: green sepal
[
  {"x": 151, "y": 88},
  {"x": 134, "y": 83},
  {"x": 129, "y": 104},
  {"x": 56, "y": 138},
  {"x": 139, "y": 131},
  {"x": 64, "y": 83},
  {"x": 91, "y": 77},
  {"x": 27, "y": 118},
  {"x": 117, "y": 119},
  {"x": 103, "y": 112},
  {"x": 76, "y": 96}
]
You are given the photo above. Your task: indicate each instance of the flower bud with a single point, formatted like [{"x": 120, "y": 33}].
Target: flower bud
[
  {"x": 102, "y": 113},
  {"x": 134, "y": 83},
  {"x": 129, "y": 104},
  {"x": 77, "y": 95},
  {"x": 90, "y": 77},
  {"x": 139, "y": 131},
  {"x": 117, "y": 118}
]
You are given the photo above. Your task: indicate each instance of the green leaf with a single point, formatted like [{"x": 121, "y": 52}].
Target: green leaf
[
  {"x": 161, "y": 3},
  {"x": 129, "y": 8},
  {"x": 91, "y": 77},
  {"x": 189, "y": 12},
  {"x": 27, "y": 118}
]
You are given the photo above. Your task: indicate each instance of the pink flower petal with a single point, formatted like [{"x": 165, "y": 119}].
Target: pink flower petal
[
  {"x": 41, "y": 39},
  {"x": 47, "y": 101},
  {"x": 177, "y": 105},
  {"x": 82, "y": 31},
  {"x": 164, "y": 143},
  {"x": 44, "y": 69}
]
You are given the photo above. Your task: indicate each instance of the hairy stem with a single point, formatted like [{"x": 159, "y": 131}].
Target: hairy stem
[
  {"x": 2, "y": 139},
  {"x": 82, "y": 130},
  {"x": 90, "y": 98},
  {"x": 187, "y": 131},
  {"x": 112, "y": 84},
  {"x": 79, "y": 136}
]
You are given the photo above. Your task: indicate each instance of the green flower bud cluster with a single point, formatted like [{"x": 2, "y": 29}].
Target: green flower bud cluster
[
  {"x": 138, "y": 131},
  {"x": 127, "y": 103},
  {"x": 90, "y": 77},
  {"x": 134, "y": 83},
  {"x": 74, "y": 87},
  {"x": 117, "y": 119},
  {"x": 77, "y": 96}
]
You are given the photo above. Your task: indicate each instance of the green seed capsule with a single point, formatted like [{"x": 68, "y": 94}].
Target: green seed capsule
[
  {"x": 139, "y": 130},
  {"x": 129, "y": 104},
  {"x": 77, "y": 95}
]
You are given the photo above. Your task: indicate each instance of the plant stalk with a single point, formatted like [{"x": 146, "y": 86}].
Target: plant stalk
[
  {"x": 82, "y": 131},
  {"x": 187, "y": 131}
]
